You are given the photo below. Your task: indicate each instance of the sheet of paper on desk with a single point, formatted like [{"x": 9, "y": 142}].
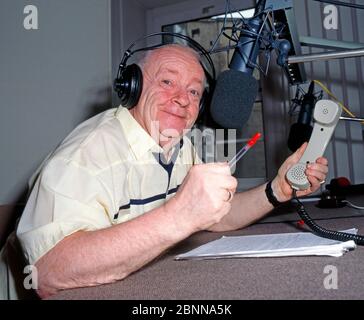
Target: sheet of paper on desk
[{"x": 272, "y": 245}]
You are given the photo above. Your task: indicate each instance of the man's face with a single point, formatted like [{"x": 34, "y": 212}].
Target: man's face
[{"x": 172, "y": 89}]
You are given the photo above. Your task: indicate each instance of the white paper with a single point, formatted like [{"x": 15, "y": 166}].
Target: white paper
[{"x": 272, "y": 245}]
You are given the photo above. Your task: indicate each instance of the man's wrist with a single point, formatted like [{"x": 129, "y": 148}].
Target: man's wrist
[
  {"x": 182, "y": 227},
  {"x": 271, "y": 195}
]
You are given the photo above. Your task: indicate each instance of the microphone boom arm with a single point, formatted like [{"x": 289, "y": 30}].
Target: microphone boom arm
[
  {"x": 326, "y": 56},
  {"x": 352, "y": 119}
]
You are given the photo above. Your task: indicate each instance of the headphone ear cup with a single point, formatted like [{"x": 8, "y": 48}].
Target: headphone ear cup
[
  {"x": 203, "y": 100},
  {"x": 130, "y": 85},
  {"x": 206, "y": 95}
]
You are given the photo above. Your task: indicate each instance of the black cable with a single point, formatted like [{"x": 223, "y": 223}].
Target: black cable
[
  {"x": 344, "y": 4},
  {"x": 222, "y": 28},
  {"x": 322, "y": 232},
  {"x": 352, "y": 205}
]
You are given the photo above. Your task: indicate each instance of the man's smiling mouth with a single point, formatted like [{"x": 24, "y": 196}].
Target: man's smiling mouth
[{"x": 175, "y": 114}]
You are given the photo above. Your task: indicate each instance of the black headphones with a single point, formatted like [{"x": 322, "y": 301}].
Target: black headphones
[{"x": 129, "y": 80}]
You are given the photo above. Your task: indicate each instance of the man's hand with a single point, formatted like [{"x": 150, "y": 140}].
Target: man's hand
[
  {"x": 316, "y": 175},
  {"x": 203, "y": 198}
]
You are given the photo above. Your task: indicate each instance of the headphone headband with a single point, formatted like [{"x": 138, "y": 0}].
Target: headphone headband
[{"x": 194, "y": 44}]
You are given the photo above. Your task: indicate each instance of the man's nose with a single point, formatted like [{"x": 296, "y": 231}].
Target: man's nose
[{"x": 181, "y": 98}]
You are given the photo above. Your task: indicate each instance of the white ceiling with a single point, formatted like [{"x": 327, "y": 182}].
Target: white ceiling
[{"x": 150, "y": 4}]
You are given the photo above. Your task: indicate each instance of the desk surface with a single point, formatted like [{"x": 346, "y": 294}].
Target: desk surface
[{"x": 246, "y": 278}]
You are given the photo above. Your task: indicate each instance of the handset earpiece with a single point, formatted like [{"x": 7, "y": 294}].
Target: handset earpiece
[{"x": 326, "y": 116}]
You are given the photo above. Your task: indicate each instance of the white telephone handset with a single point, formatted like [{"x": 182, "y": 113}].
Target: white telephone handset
[{"x": 326, "y": 116}]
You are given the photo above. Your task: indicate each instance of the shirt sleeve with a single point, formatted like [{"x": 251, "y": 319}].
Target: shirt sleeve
[{"x": 65, "y": 198}]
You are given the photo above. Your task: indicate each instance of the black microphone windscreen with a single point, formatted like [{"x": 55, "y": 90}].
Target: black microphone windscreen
[
  {"x": 298, "y": 134},
  {"x": 233, "y": 99}
]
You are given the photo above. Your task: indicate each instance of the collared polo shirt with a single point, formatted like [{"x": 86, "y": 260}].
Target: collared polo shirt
[{"x": 107, "y": 171}]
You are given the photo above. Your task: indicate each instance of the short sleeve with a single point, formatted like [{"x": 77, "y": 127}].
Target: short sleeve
[{"x": 65, "y": 198}]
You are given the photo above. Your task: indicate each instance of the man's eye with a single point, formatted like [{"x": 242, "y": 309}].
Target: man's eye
[
  {"x": 195, "y": 93},
  {"x": 167, "y": 82}
]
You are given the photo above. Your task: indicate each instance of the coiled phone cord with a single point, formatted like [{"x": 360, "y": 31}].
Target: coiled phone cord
[{"x": 322, "y": 232}]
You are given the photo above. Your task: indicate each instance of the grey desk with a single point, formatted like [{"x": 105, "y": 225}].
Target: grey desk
[{"x": 248, "y": 278}]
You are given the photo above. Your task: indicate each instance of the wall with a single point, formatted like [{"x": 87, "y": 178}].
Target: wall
[
  {"x": 51, "y": 79},
  {"x": 134, "y": 22},
  {"x": 124, "y": 31}
]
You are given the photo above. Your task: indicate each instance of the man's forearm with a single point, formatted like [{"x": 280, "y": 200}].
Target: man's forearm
[
  {"x": 247, "y": 207},
  {"x": 103, "y": 256}
]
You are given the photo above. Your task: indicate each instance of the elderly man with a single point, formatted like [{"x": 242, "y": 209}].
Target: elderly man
[{"x": 126, "y": 185}]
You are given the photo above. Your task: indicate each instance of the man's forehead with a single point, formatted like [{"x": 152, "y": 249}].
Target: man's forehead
[
  {"x": 177, "y": 50},
  {"x": 168, "y": 59},
  {"x": 174, "y": 54}
]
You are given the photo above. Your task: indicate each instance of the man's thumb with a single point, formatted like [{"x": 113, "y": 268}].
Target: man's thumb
[{"x": 299, "y": 152}]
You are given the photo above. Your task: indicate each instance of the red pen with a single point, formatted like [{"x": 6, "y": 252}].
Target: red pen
[{"x": 244, "y": 150}]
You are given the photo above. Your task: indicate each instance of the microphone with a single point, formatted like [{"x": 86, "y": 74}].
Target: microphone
[
  {"x": 236, "y": 89},
  {"x": 300, "y": 132}
]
